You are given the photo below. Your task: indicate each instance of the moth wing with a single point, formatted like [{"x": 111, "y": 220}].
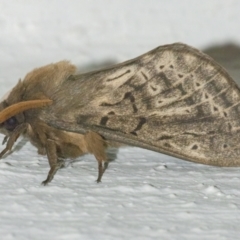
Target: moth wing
[{"x": 174, "y": 99}]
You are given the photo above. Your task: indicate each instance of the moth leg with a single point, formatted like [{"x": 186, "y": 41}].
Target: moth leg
[
  {"x": 5, "y": 140},
  {"x": 111, "y": 156},
  {"x": 105, "y": 166},
  {"x": 97, "y": 146},
  {"x": 13, "y": 138},
  {"x": 102, "y": 166},
  {"x": 53, "y": 160}
]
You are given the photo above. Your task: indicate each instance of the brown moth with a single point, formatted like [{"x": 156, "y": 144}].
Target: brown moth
[{"x": 174, "y": 99}]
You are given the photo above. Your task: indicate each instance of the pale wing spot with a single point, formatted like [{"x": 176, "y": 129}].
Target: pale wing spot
[
  {"x": 185, "y": 63},
  {"x": 235, "y": 95},
  {"x": 198, "y": 154},
  {"x": 147, "y": 58},
  {"x": 191, "y": 59},
  {"x": 165, "y": 60},
  {"x": 211, "y": 68}
]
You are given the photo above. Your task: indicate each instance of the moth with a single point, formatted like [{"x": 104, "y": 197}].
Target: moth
[{"x": 174, "y": 100}]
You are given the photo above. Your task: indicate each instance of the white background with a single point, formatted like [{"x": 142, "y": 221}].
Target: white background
[{"x": 144, "y": 195}]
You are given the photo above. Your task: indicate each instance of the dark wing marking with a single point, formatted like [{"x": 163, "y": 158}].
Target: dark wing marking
[{"x": 173, "y": 99}]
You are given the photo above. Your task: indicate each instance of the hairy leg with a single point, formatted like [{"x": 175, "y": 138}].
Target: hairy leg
[{"x": 53, "y": 160}]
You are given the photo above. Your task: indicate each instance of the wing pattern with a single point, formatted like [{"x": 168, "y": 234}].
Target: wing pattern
[{"x": 173, "y": 99}]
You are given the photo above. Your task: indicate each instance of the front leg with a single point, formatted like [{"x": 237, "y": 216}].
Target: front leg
[
  {"x": 13, "y": 138},
  {"x": 53, "y": 160}
]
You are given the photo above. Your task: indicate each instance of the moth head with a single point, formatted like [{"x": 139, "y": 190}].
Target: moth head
[
  {"x": 8, "y": 125},
  {"x": 13, "y": 115}
]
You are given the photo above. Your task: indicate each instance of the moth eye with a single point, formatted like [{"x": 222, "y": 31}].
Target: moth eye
[{"x": 11, "y": 123}]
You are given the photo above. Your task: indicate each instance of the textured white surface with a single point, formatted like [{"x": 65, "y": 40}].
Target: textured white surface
[{"x": 144, "y": 195}]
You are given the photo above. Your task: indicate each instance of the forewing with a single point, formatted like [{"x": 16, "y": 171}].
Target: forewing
[{"x": 173, "y": 99}]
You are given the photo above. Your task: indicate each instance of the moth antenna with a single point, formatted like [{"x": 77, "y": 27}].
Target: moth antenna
[{"x": 22, "y": 106}]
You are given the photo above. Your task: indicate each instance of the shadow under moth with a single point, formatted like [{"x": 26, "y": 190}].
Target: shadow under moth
[{"x": 174, "y": 99}]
